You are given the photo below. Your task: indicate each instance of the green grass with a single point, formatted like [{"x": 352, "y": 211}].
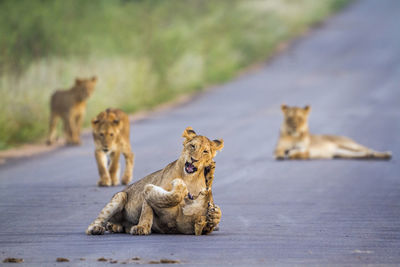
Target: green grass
[{"x": 144, "y": 52}]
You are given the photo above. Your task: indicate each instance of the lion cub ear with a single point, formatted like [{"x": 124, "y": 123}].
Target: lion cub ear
[
  {"x": 284, "y": 107},
  {"x": 94, "y": 79},
  {"x": 78, "y": 81},
  {"x": 218, "y": 144},
  {"x": 189, "y": 133},
  {"x": 95, "y": 121},
  {"x": 307, "y": 109}
]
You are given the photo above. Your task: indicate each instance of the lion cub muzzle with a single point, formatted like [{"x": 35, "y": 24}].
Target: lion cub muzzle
[{"x": 190, "y": 168}]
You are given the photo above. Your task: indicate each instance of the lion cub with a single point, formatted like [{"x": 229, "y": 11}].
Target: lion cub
[
  {"x": 111, "y": 138},
  {"x": 70, "y": 106},
  {"x": 296, "y": 142},
  {"x": 128, "y": 211},
  {"x": 177, "y": 212}
]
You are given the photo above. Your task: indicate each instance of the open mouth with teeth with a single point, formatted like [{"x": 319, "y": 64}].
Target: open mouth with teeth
[{"x": 190, "y": 168}]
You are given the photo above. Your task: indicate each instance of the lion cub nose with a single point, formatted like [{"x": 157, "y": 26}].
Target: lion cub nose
[
  {"x": 105, "y": 149},
  {"x": 194, "y": 160}
]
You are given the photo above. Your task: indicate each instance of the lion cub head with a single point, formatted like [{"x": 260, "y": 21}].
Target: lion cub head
[
  {"x": 295, "y": 119},
  {"x": 198, "y": 151},
  {"x": 84, "y": 88},
  {"x": 106, "y": 130}
]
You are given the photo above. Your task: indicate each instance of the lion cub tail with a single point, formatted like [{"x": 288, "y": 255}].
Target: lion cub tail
[{"x": 381, "y": 155}]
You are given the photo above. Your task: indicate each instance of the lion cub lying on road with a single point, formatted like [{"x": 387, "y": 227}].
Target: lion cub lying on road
[
  {"x": 296, "y": 142},
  {"x": 128, "y": 211},
  {"x": 70, "y": 106},
  {"x": 111, "y": 138},
  {"x": 178, "y": 213}
]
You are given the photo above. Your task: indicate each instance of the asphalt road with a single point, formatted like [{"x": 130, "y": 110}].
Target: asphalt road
[{"x": 292, "y": 212}]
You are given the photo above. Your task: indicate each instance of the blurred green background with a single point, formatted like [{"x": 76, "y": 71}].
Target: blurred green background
[{"x": 144, "y": 52}]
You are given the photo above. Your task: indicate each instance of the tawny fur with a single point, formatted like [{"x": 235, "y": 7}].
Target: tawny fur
[
  {"x": 134, "y": 215},
  {"x": 70, "y": 106},
  {"x": 296, "y": 142},
  {"x": 176, "y": 213},
  {"x": 111, "y": 138}
]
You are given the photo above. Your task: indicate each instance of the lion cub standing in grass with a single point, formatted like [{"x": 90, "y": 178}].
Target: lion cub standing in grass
[
  {"x": 176, "y": 212},
  {"x": 296, "y": 142},
  {"x": 70, "y": 106},
  {"x": 111, "y": 138}
]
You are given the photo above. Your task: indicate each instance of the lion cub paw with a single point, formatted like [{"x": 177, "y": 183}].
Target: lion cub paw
[
  {"x": 49, "y": 142},
  {"x": 213, "y": 215},
  {"x": 179, "y": 187},
  {"x": 115, "y": 182},
  {"x": 74, "y": 143},
  {"x": 104, "y": 182},
  {"x": 140, "y": 230},
  {"x": 114, "y": 228},
  {"x": 126, "y": 179},
  {"x": 95, "y": 230}
]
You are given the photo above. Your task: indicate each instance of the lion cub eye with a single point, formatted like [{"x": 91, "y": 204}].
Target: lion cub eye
[
  {"x": 111, "y": 134},
  {"x": 205, "y": 152},
  {"x": 192, "y": 146},
  {"x": 101, "y": 134}
]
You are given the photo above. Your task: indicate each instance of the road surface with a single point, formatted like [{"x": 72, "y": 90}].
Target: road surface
[{"x": 292, "y": 212}]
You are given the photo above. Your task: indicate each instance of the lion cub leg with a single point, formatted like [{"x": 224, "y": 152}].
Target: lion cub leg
[
  {"x": 129, "y": 159},
  {"x": 145, "y": 221},
  {"x": 52, "y": 128},
  {"x": 69, "y": 129},
  {"x": 101, "y": 159},
  {"x": 157, "y": 197},
  {"x": 199, "y": 225},
  {"x": 78, "y": 124},
  {"x": 75, "y": 134},
  {"x": 116, "y": 204},
  {"x": 213, "y": 218},
  {"x": 114, "y": 168},
  {"x": 298, "y": 154},
  {"x": 347, "y": 148},
  {"x": 213, "y": 215},
  {"x": 282, "y": 148},
  {"x": 365, "y": 154},
  {"x": 280, "y": 153}
]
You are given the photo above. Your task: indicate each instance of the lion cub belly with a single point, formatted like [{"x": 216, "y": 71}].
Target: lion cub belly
[
  {"x": 321, "y": 147},
  {"x": 165, "y": 220},
  {"x": 180, "y": 219}
]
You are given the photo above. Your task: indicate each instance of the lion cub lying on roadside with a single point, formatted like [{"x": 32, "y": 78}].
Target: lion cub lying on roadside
[
  {"x": 70, "y": 106},
  {"x": 296, "y": 142},
  {"x": 129, "y": 212},
  {"x": 111, "y": 138},
  {"x": 176, "y": 212}
]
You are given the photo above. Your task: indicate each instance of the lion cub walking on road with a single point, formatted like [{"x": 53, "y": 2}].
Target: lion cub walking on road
[
  {"x": 111, "y": 138},
  {"x": 296, "y": 142},
  {"x": 176, "y": 212},
  {"x": 70, "y": 106}
]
